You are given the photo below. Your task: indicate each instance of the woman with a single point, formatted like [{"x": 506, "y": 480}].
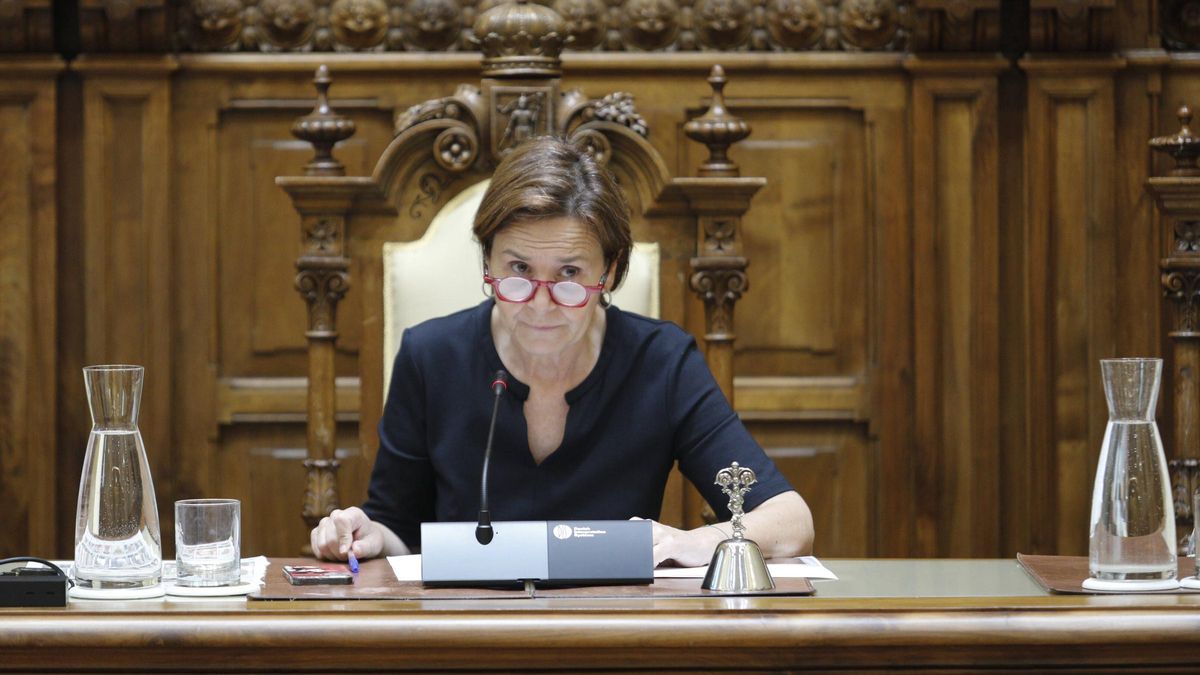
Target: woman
[{"x": 600, "y": 404}]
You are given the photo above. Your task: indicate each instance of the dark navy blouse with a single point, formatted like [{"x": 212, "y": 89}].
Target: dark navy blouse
[{"x": 649, "y": 402}]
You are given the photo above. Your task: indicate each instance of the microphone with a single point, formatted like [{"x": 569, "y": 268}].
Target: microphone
[{"x": 483, "y": 532}]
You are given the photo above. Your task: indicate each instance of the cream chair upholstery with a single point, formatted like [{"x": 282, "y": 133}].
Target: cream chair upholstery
[{"x": 441, "y": 273}]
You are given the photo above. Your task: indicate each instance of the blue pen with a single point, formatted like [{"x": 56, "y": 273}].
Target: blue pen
[{"x": 353, "y": 562}]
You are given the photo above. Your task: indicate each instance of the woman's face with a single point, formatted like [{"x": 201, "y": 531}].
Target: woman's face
[{"x": 558, "y": 249}]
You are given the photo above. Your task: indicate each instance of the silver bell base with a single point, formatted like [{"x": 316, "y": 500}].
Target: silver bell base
[{"x": 738, "y": 567}]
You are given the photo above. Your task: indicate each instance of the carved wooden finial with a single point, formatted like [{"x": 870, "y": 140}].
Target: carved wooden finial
[
  {"x": 1183, "y": 145},
  {"x": 323, "y": 128},
  {"x": 718, "y": 129}
]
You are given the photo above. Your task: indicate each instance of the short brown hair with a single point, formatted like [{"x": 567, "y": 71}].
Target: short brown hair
[{"x": 549, "y": 177}]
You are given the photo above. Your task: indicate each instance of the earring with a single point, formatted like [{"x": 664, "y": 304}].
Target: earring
[
  {"x": 487, "y": 290},
  {"x": 606, "y": 299}
]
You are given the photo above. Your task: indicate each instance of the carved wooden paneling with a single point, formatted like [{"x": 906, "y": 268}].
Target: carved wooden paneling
[
  {"x": 1177, "y": 24},
  {"x": 956, "y": 305},
  {"x": 592, "y": 25},
  {"x": 913, "y": 208},
  {"x": 261, "y": 465},
  {"x": 127, "y": 270},
  {"x": 1071, "y": 25},
  {"x": 807, "y": 239},
  {"x": 262, "y": 334},
  {"x": 818, "y": 320},
  {"x": 125, "y": 25},
  {"x": 957, "y": 25},
  {"x": 830, "y": 464},
  {"x": 1139, "y": 241},
  {"x": 26, "y": 26},
  {"x": 1070, "y": 269},
  {"x": 28, "y": 235}
]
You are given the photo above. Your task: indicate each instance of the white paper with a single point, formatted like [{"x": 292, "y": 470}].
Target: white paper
[
  {"x": 408, "y": 568},
  {"x": 805, "y": 567}
]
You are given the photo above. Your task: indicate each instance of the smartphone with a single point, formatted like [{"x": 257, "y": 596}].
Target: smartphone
[{"x": 306, "y": 575}]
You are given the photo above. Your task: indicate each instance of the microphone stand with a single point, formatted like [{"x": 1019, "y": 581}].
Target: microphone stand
[{"x": 484, "y": 532}]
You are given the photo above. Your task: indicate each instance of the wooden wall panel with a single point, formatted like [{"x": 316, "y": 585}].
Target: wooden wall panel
[
  {"x": 806, "y": 239},
  {"x": 261, "y": 335},
  {"x": 1139, "y": 238},
  {"x": 832, "y": 465},
  {"x": 127, "y": 265},
  {"x": 1070, "y": 269},
  {"x": 27, "y": 305},
  {"x": 956, "y": 304},
  {"x": 813, "y": 327},
  {"x": 938, "y": 261}
]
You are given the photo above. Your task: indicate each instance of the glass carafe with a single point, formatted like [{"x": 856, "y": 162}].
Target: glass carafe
[
  {"x": 1133, "y": 515},
  {"x": 117, "y": 539}
]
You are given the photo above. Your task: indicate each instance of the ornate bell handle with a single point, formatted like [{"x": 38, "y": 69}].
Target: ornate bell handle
[{"x": 735, "y": 481}]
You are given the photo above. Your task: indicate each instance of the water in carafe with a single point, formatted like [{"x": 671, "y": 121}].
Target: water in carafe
[
  {"x": 1132, "y": 534},
  {"x": 117, "y": 538}
]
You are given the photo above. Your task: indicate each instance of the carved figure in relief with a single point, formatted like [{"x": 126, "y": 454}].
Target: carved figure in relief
[
  {"x": 523, "y": 113},
  {"x": 288, "y": 24},
  {"x": 868, "y": 24},
  {"x": 219, "y": 22},
  {"x": 586, "y": 21},
  {"x": 795, "y": 24},
  {"x": 432, "y": 25},
  {"x": 650, "y": 24},
  {"x": 723, "y": 24},
  {"x": 359, "y": 24}
]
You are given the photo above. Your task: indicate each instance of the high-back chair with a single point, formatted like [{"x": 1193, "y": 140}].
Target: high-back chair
[{"x": 424, "y": 191}]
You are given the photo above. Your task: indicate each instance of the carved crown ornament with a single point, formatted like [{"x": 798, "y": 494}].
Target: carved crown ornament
[
  {"x": 518, "y": 97},
  {"x": 574, "y": 25}
]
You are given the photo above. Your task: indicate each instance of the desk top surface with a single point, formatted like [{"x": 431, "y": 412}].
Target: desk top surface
[
  {"x": 871, "y": 583},
  {"x": 880, "y": 613}
]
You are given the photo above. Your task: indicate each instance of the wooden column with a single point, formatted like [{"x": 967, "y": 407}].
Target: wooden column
[
  {"x": 719, "y": 198},
  {"x": 1177, "y": 196},
  {"x": 322, "y": 278}
]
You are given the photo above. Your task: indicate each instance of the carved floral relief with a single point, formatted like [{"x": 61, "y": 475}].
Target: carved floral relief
[
  {"x": 612, "y": 25},
  {"x": 287, "y": 25},
  {"x": 359, "y": 25}
]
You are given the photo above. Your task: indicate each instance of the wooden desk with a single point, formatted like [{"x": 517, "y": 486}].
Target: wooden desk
[{"x": 881, "y": 614}]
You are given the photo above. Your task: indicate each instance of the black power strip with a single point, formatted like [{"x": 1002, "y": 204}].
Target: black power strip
[
  {"x": 33, "y": 590},
  {"x": 32, "y": 586}
]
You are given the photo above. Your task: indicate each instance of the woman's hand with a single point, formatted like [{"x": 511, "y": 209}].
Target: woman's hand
[
  {"x": 346, "y": 530},
  {"x": 782, "y": 527},
  {"x": 686, "y": 548}
]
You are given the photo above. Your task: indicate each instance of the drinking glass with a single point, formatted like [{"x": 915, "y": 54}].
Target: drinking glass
[{"x": 208, "y": 542}]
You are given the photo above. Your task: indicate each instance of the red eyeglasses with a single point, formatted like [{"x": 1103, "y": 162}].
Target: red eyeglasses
[{"x": 563, "y": 293}]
